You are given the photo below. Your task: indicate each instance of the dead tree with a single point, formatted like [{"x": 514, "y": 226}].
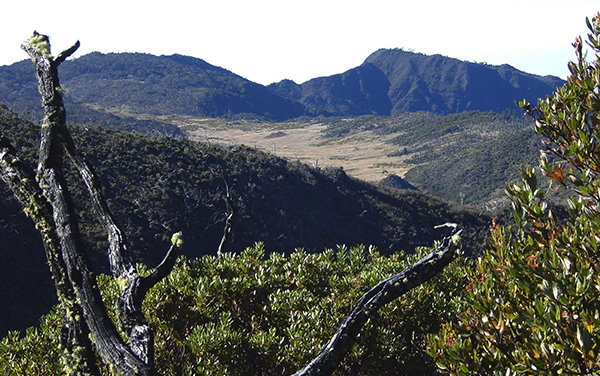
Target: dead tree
[
  {"x": 45, "y": 197},
  {"x": 228, "y": 220},
  {"x": 87, "y": 328}
]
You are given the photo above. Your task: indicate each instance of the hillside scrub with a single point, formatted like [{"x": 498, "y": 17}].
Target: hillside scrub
[
  {"x": 255, "y": 314},
  {"x": 533, "y": 298},
  {"x": 94, "y": 339},
  {"x": 153, "y": 191}
]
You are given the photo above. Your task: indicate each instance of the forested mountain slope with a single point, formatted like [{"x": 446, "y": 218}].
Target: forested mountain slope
[
  {"x": 394, "y": 81},
  {"x": 98, "y": 86},
  {"x": 134, "y": 84},
  {"x": 160, "y": 185}
]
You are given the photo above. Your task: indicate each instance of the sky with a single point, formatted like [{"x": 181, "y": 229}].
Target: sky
[{"x": 269, "y": 40}]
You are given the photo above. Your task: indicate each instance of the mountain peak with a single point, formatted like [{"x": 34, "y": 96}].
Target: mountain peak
[
  {"x": 388, "y": 82},
  {"x": 394, "y": 81}
]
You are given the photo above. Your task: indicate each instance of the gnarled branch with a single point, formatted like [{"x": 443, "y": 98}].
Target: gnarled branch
[
  {"x": 129, "y": 303},
  {"x": 51, "y": 193},
  {"x": 341, "y": 343},
  {"x": 75, "y": 338}
]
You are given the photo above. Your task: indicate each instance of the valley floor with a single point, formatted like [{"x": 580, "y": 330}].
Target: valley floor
[{"x": 364, "y": 155}]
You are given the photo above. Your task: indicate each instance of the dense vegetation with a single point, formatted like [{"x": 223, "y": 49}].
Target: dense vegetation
[
  {"x": 254, "y": 314},
  {"x": 477, "y": 174},
  {"x": 533, "y": 298},
  {"x": 159, "y": 185}
]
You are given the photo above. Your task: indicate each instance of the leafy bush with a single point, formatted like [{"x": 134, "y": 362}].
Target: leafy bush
[
  {"x": 534, "y": 297},
  {"x": 249, "y": 314},
  {"x": 36, "y": 353}
]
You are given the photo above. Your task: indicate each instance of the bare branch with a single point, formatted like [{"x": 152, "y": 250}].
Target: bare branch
[
  {"x": 129, "y": 303},
  {"x": 228, "y": 221},
  {"x": 120, "y": 261},
  {"x": 164, "y": 268},
  {"x": 75, "y": 339},
  {"x": 341, "y": 343},
  {"x": 55, "y": 137},
  {"x": 66, "y": 53}
]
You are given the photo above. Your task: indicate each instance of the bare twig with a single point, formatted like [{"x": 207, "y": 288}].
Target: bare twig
[{"x": 228, "y": 221}]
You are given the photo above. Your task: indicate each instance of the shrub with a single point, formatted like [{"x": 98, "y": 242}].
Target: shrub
[
  {"x": 534, "y": 298},
  {"x": 252, "y": 314}
]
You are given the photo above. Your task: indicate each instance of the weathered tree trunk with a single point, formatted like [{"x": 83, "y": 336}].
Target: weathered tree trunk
[
  {"x": 76, "y": 346},
  {"x": 48, "y": 202},
  {"x": 87, "y": 327},
  {"x": 341, "y": 343}
]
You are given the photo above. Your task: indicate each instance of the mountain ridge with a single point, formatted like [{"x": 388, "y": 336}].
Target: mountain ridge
[
  {"x": 410, "y": 82},
  {"x": 388, "y": 82}
]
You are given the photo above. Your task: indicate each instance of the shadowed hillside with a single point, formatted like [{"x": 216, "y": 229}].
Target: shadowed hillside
[
  {"x": 141, "y": 86},
  {"x": 391, "y": 82},
  {"x": 159, "y": 185},
  {"x": 133, "y": 84}
]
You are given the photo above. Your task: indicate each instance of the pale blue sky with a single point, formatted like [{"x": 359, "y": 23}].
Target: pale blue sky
[{"x": 269, "y": 40}]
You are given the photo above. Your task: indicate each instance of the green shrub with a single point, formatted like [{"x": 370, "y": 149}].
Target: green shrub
[
  {"x": 534, "y": 297},
  {"x": 35, "y": 353},
  {"x": 252, "y": 314}
]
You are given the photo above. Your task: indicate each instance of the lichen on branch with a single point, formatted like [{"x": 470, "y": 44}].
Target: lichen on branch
[{"x": 41, "y": 43}]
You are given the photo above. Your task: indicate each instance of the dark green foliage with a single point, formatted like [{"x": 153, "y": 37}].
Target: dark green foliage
[
  {"x": 159, "y": 185},
  {"x": 256, "y": 315},
  {"x": 35, "y": 353},
  {"x": 477, "y": 173},
  {"x": 21, "y": 248},
  {"x": 86, "y": 115},
  {"x": 425, "y": 127},
  {"x": 18, "y": 90}
]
